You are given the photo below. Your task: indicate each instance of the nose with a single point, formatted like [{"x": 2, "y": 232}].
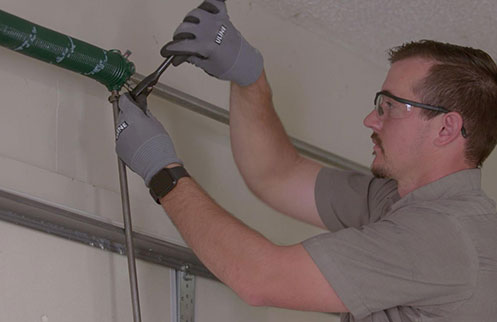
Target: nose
[{"x": 373, "y": 121}]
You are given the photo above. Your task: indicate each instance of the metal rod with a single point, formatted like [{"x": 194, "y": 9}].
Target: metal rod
[
  {"x": 221, "y": 115},
  {"x": 128, "y": 229}
]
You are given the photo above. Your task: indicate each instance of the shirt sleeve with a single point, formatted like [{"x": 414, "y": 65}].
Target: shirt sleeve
[
  {"x": 351, "y": 199},
  {"x": 410, "y": 258}
]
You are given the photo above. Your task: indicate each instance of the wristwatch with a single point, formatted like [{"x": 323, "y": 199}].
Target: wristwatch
[{"x": 165, "y": 180}]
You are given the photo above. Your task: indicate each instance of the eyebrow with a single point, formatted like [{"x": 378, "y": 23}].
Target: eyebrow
[
  {"x": 387, "y": 92},
  {"x": 390, "y": 93}
]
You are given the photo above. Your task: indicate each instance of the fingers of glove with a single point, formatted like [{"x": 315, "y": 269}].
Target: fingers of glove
[
  {"x": 184, "y": 48},
  {"x": 213, "y": 6},
  {"x": 171, "y": 48},
  {"x": 164, "y": 52},
  {"x": 181, "y": 56},
  {"x": 132, "y": 119},
  {"x": 191, "y": 34},
  {"x": 186, "y": 28},
  {"x": 127, "y": 105},
  {"x": 206, "y": 17},
  {"x": 191, "y": 19},
  {"x": 178, "y": 60},
  {"x": 141, "y": 101},
  {"x": 209, "y": 7},
  {"x": 197, "y": 15},
  {"x": 182, "y": 36},
  {"x": 199, "y": 62}
]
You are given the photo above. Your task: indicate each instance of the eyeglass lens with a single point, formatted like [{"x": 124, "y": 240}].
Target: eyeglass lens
[{"x": 387, "y": 106}]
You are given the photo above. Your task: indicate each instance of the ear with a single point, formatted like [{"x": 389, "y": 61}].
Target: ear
[{"x": 450, "y": 128}]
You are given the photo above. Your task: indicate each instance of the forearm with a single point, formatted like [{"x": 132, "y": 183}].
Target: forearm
[
  {"x": 231, "y": 250},
  {"x": 260, "y": 145},
  {"x": 260, "y": 272}
]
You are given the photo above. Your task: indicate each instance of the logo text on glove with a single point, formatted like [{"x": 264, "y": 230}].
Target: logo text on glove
[
  {"x": 220, "y": 34},
  {"x": 120, "y": 128}
]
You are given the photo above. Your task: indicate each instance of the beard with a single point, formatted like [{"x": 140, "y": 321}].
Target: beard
[{"x": 379, "y": 171}]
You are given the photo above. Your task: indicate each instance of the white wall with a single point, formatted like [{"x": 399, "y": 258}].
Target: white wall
[{"x": 56, "y": 144}]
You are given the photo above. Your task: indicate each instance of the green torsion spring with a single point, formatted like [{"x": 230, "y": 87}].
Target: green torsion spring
[{"x": 110, "y": 67}]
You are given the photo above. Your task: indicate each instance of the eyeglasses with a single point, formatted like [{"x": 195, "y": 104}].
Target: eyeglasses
[{"x": 388, "y": 105}]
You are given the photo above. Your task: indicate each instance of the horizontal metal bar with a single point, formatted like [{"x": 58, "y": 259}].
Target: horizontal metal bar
[
  {"x": 219, "y": 114},
  {"x": 89, "y": 231}
]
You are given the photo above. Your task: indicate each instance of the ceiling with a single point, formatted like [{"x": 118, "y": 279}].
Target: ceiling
[{"x": 371, "y": 27}]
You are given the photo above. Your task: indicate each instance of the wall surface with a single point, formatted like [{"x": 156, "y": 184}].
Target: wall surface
[{"x": 56, "y": 144}]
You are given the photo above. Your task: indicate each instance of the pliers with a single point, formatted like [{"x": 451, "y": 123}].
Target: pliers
[{"x": 143, "y": 89}]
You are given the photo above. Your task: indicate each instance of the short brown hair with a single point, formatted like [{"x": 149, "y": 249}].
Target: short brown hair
[{"x": 464, "y": 80}]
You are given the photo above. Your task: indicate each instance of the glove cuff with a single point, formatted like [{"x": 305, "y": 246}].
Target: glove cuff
[{"x": 247, "y": 67}]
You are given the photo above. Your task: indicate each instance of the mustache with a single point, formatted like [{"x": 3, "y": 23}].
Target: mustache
[{"x": 376, "y": 139}]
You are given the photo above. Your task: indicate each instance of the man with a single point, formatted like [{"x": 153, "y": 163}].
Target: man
[{"x": 417, "y": 243}]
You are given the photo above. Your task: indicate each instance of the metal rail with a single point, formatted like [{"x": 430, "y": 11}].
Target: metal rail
[
  {"x": 53, "y": 220},
  {"x": 221, "y": 115}
]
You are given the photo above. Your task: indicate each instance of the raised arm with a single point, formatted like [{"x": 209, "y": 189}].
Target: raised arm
[{"x": 268, "y": 162}]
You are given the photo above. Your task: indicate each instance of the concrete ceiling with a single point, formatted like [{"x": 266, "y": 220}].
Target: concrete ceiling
[{"x": 371, "y": 27}]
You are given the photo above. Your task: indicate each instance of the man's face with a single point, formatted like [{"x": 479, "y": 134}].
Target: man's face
[{"x": 400, "y": 143}]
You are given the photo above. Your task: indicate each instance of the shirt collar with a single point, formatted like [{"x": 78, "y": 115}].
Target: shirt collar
[{"x": 455, "y": 183}]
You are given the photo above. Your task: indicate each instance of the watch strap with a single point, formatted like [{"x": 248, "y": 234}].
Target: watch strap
[{"x": 165, "y": 180}]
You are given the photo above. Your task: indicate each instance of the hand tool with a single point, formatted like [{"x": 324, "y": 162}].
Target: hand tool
[{"x": 143, "y": 89}]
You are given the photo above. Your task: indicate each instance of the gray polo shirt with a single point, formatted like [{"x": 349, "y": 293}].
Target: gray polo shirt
[{"x": 430, "y": 256}]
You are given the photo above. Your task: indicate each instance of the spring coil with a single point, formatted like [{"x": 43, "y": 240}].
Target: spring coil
[{"x": 108, "y": 67}]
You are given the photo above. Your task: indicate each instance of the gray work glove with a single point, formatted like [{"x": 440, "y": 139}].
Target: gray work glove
[
  {"x": 207, "y": 39},
  {"x": 141, "y": 140}
]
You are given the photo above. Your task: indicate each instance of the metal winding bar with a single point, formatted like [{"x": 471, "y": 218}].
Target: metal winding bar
[{"x": 128, "y": 228}]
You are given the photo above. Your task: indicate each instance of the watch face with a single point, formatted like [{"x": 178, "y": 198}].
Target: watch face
[
  {"x": 161, "y": 183},
  {"x": 165, "y": 180}
]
